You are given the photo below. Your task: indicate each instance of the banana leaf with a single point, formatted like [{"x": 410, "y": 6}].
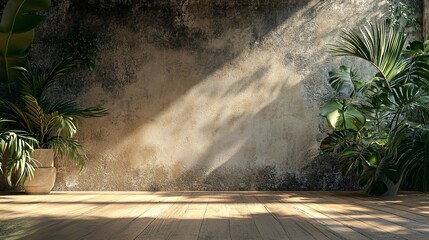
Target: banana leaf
[{"x": 17, "y": 26}]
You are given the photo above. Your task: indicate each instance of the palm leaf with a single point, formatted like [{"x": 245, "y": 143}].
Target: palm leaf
[
  {"x": 15, "y": 149},
  {"x": 37, "y": 83},
  {"x": 377, "y": 45},
  {"x": 19, "y": 118},
  {"x": 67, "y": 147}
]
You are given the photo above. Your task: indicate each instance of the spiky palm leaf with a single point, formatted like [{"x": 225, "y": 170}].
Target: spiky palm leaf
[
  {"x": 15, "y": 149},
  {"x": 37, "y": 83},
  {"x": 399, "y": 92},
  {"x": 68, "y": 147},
  {"x": 375, "y": 44},
  {"x": 52, "y": 122}
]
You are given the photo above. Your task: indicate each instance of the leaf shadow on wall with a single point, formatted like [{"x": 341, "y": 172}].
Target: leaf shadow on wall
[{"x": 232, "y": 104}]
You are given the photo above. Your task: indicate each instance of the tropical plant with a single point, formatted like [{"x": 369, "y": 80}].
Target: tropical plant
[
  {"x": 17, "y": 26},
  {"x": 52, "y": 122},
  {"x": 403, "y": 14},
  {"x": 368, "y": 117},
  {"x": 412, "y": 143},
  {"x": 15, "y": 152},
  {"x": 37, "y": 119}
]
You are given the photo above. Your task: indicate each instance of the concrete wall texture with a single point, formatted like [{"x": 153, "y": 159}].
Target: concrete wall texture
[
  {"x": 204, "y": 95},
  {"x": 425, "y": 12}
]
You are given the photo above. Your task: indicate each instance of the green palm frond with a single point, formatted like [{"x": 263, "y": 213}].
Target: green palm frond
[
  {"x": 69, "y": 115},
  {"x": 44, "y": 123},
  {"x": 416, "y": 71},
  {"x": 15, "y": 149},
  {"x": 68, "y": 147},
  {"x": 386, "y": 142},
  {"x": 37, "y": 83},
  {"x": 17, "y": 116},
  {"x": 377, "y": 45},
  {"x": 66, "y": 126},
  {"x": 71, "y": 109}
]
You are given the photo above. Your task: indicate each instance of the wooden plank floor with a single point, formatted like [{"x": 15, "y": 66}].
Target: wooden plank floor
[{"x": 213, "y": 215}]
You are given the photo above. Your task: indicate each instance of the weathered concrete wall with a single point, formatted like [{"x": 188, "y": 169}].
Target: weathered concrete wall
[
  {"x": 426, "y": 19},
  {"x": 204, "y": 95}
]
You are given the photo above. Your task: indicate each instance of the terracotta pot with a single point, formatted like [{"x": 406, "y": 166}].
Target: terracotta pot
[{"x": 44, "y": 173}]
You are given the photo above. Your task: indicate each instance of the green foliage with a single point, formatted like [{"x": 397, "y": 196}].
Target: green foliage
[
  {"x": 35, "y": 119},
  {"x": 17, "y": 33},
  {"x": 15, "y": 151},
  {"x": 411, "y": 142},
  {"x": 402, "y": 14},
  {"x": 52, "y": 122},
  {"x": 367, "y": 116}
]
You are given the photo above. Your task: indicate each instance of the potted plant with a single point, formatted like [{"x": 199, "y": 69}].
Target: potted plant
[
  {"x": 53, "y": 123},
  {"x": 48, "y": 123},
  {"x": 375, "y": 121}
]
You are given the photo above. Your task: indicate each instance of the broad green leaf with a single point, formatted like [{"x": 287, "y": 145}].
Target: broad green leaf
[
  {"x": 345, "y": 81},
  {"x": 333, "y": 118},
  {"x": 329, "y": 107},
  {"x": 17, "y": 33},
  {"x": 411, "y": 142},
  {"x": 373, "y": 160},
  {"x": 19, "y": 44},
  {"x": 416, "y": 46},
  {"x": 354, "y": 119},
  {"x": 337, "y": 141},
  {"x": 343, "y": 117},
  {"x": 426, "y": 46},
  {"x": 18, "y": 15}
]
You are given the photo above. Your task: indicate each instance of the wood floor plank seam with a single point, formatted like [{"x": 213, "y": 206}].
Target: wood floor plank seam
[
  {"x": 297, "y": 222},
  {"x": 253, "y": 220},
  {"x": 314, "y": 221},
  {"x": 201, "y": 225},
  {"x": 388, "y": 210},
  {"x": 340, "y": 201},
  {"x": 156, "y": 216},
  {"x": 323, "y": 222},
  {"x": 390, "y": 206},
  {"x": 94, "y": 234},
  {"x": 275, "y": 217},
  {"x": 214, "y": 215},
  {"x": 352, "y": 226},
  {"x": 91, "y": 211}
]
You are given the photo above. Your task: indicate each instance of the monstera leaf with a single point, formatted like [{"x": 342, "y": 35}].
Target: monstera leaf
[
  {"x": 376, "y": 178},
  {"x": 345, "y": 81},
  {"x": 17, "y": 33},
  {"x": 341, "y": 116},
  {"x": 411, "y": 142}
]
